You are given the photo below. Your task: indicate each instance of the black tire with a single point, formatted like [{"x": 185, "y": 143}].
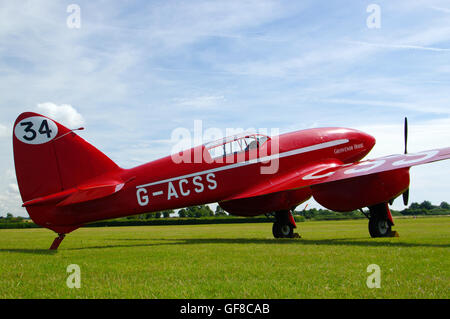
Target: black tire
[
  {"x": 379, "y": 227},
  {"x": 282, "y": 230},
  {"x": 276, "y": 230},
  {"x": 379, "y": 223}
]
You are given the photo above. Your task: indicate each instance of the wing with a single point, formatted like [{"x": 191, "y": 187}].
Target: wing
[{"x": 332, "y": 170}]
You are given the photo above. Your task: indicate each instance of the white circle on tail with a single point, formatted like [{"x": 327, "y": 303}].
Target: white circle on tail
[{"x": 36, "y": 130}]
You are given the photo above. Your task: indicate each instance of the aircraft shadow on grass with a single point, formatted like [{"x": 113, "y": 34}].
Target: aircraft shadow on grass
[
  {"x": 29, "y": 251},
  {"x": 198, "y": 241}
]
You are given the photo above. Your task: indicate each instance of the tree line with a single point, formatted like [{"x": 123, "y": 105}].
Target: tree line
[
  {"x": 191, "y": 212},
  {"x": 204, "y": 211},
  {"x": 199, "y": 211}
]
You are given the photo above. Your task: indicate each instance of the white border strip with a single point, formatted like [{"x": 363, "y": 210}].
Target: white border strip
[{"x": 254, "y": 161}]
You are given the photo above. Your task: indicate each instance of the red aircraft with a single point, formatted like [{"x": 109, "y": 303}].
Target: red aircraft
[{"x": 65, "y": 182}]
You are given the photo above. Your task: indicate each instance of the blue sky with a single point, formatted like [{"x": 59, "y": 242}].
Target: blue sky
[{"x": 137, "y": 70}]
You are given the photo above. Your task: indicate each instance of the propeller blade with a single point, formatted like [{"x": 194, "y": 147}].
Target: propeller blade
[
  {"x": 406, "y": 197},
  {"x": 406, "y": 135},
  {"x": 406, "y": 193}
]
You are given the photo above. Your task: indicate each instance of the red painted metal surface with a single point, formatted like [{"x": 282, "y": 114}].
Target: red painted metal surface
[
  {"x": 351, "y": 194},
  {"x": 65, "y": 182}
]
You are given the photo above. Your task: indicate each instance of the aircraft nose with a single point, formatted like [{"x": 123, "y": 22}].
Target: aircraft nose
[
  {"x": 368, "y": 140},
  {"x": 365, "y": 141},
  {"x": 363, "y": 144}
]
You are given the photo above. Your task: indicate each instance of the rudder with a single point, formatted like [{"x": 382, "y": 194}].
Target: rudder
[{"x": 50, "y": 158}]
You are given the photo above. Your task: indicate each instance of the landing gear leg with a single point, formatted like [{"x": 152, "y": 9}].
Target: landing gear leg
[
  {"x": 380, "y": 221},
  {"x": 284, "y": 225},
  {"x": 57, "y": 241}
]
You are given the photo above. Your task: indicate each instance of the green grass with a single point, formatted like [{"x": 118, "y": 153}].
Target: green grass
[{"x": 229, "y": 261}]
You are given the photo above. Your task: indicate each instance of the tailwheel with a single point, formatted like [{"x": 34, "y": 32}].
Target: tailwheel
[
  {"x": 57, "y": 241},
  {"x": 380, "y": 221},
  {"x": 284, "y": 225}
]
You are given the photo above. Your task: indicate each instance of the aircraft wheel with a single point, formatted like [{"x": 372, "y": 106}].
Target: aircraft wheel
[
  {"x": 379, "y": 227},
  {"x": 282, "y": 230},
  {"x": 276, "y": 230},
  {"x": 379, "y": 224}
]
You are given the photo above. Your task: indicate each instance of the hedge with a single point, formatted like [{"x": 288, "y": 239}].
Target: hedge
[{"x": 18, "y": 225}]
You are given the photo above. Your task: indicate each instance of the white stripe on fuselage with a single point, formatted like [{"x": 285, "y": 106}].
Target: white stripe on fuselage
[{"x": 254, "y": 161}]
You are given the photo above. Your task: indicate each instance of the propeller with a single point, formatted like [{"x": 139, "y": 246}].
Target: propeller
[
  {"x": 406, "y": 135},
  {"x": 406, "y": 193}
]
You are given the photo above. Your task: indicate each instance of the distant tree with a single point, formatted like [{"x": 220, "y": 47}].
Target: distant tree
[
  {"x": 157, "y": 215},
  {"x": 182, "y": 213},
  {"x": 198, "y": 211},
  {"x": 444, "y": 205},
  {"x": 352, "y": 214},
  {"x": 9, "y": 216},
  {"x": 220, "y": 211},
  {"x": 209, "y": 211},
  {"x": 166, "y": 213},
  {"x": 426, "y": 205},
  {"x": 190, "y": 211},
  {"x": 415, "y": 206},
  {"x": 310, "y": 213},
  {"x": 204, "y": 210}
]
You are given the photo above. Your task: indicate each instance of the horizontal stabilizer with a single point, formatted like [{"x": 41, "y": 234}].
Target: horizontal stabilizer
[
  {"x": 79, "y": 194},
  {"x": 89, "y": 193}
]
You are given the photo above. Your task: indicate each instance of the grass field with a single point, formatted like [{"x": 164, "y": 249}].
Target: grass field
[{"x": 229, "y": 261}]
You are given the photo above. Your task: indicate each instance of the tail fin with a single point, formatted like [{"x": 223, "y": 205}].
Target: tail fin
[{"x": 49, "y": 158}]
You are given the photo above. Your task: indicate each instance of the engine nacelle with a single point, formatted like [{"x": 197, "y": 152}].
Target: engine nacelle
[{"x": 363, "y": 191}]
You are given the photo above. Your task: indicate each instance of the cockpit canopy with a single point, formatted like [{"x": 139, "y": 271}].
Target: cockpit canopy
[{"x": 235, "y": 144}]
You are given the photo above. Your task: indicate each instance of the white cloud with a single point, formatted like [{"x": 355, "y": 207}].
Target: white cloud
[
  {"x": 10, "y": 174},
  {"x": 208, "y": 101},
  {"x": 441, "y": 9},
  {"x": 10, "y": 201},
  {"x": 401, "y": 46},
  {"x": 415, "y": 106},
  {"x": 425, "y": 135},
  {"x": 64, "y": 113},
  {"x": 13, "y": 187},
  {"x": 310, "y": 61},
  {"x": 4, "y": 132}
]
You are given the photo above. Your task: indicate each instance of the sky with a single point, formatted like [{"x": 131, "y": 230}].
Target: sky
[{"x": 132, "y": 72}]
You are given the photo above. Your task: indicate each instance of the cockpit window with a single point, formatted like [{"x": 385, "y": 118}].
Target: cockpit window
[{"x": 235, "y": 144}]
